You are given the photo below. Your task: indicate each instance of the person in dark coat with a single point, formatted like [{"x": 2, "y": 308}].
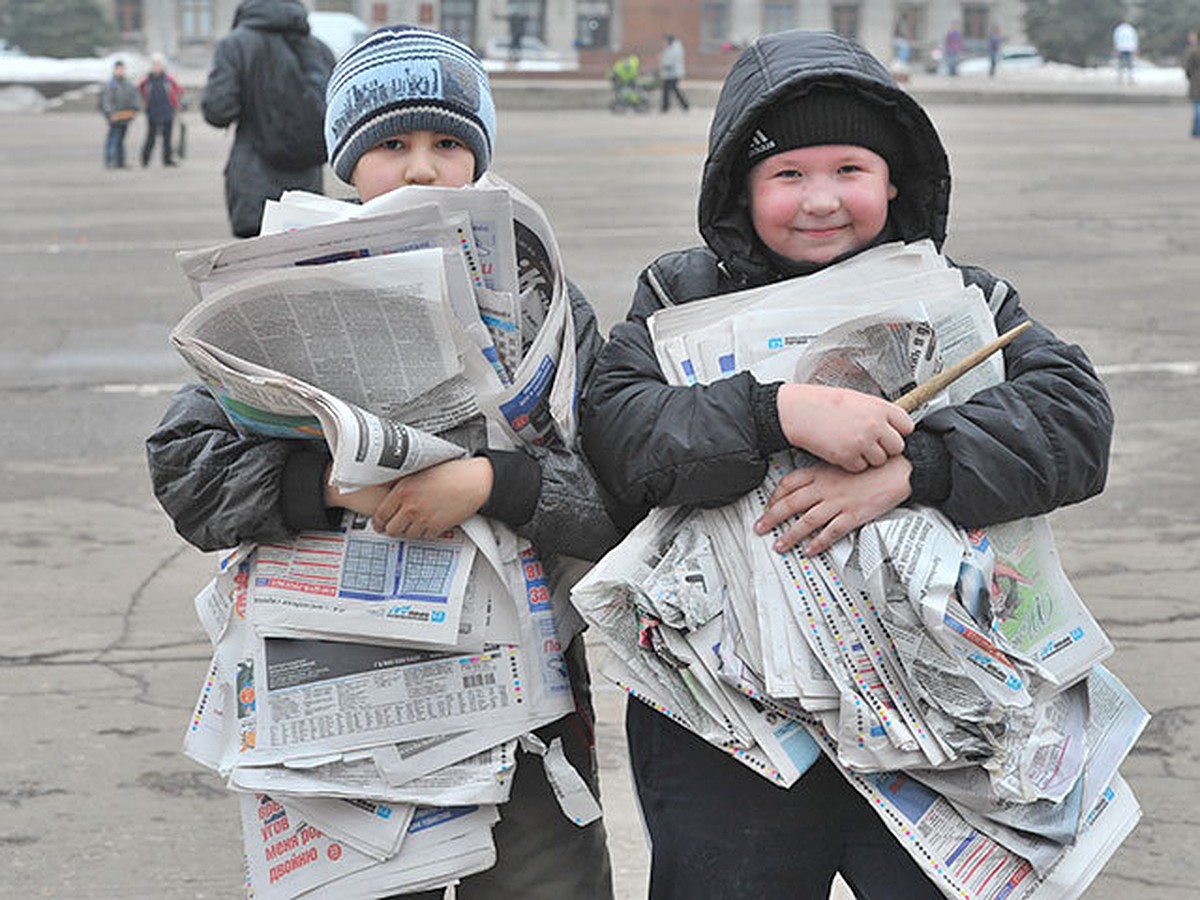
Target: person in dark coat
[
  {"x": 162, "y": 97},
  {"x": 249, "y": 179},
  {"x": 816, "y": 154}
]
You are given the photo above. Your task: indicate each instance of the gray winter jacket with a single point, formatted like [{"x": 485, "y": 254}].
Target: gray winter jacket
[
  {"x": 249, "y": 179},
  {"x": 222, "y": 488},
  {"x": 1036, "y": 442}
]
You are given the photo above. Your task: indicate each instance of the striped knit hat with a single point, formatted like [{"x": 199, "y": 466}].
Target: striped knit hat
[{"x": 402, "y": 79}]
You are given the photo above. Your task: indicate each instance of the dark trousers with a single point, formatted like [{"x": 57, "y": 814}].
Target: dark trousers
[
  {"x": 540, "y": 854},
  {"x": 670, "y": 86},
  {"x": 720, "y": 831},
  {"x": 114, "y": 145},
  {"x": 153, "y": 131}
]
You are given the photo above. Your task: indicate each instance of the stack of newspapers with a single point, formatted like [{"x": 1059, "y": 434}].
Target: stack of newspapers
[
  {"x": 367, "y": 693},
  {"x": 953, "y": 676}
]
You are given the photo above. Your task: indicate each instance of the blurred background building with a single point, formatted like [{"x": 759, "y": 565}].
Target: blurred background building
[{"x": 585, "y": 36}]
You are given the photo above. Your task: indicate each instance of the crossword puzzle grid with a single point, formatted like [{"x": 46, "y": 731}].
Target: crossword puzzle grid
[
  {"x": 425, "y": 570},
  {"x": 366, "y": 567}
]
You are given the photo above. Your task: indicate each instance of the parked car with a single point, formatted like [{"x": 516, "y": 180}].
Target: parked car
[
  {"x": 1018, "y": 56},
  {"x": 337, "y": 30}
]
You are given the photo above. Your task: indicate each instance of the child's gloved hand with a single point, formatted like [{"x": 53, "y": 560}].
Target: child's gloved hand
[
  {"x": 846, "y": 428},
  {"x": 831, "y": 502}
]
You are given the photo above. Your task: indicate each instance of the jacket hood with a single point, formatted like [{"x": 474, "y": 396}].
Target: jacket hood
[
  {"x": 785, "y": 65},
  {"x": 272, "y": 15}
]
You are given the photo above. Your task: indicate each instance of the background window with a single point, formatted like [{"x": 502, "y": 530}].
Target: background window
[
  {"x": 129, "y": 16},
  {"x": 196, "y": 18},
  {"x": 458, "y": 20},
  {"x": 975, "y": 22},
  {"x": 778, "y": 15},
  {"x": 845, "y": 19},
  {"x": 593, "y": 22},
  {"x": 714, "y": 25}
]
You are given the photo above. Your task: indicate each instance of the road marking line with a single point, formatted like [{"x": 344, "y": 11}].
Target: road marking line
[
  {"x": 1173, "y": 368},
  {"x": 142, "y": 390}
]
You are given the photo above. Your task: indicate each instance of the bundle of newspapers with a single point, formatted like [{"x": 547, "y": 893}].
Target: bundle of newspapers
[
  {"x": 953, "y": 676},
  {"x": 367, "y": 693}
]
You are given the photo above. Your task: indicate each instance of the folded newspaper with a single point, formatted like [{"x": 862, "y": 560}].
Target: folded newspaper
[
  {"x": 367, "y": 694},
  {"x": 954, "y": 677}
]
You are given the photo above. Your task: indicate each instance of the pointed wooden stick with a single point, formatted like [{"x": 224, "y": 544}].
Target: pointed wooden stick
[{"x": 927, "y": 390}]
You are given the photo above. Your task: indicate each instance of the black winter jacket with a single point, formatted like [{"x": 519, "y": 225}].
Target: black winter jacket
[
  {"x": 249, "y": 179},
  {"x": 1037, "y": 441}
]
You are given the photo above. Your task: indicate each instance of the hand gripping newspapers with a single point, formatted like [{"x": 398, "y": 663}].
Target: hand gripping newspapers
[
  {"x": 367, "y": 693},
  {"x": 954, "y": 677}
]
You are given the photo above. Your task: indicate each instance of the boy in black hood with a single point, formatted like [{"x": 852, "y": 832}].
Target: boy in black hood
[{"x": 814, "y": 155}]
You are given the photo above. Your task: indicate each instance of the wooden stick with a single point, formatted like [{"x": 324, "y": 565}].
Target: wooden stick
[{"x": 927, "y": 390}]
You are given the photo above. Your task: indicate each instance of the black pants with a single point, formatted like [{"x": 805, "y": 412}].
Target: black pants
[
  {"x": 670, "y": 86},
  {"x": 153, "y": 130},
  {"x": 720, "y": 831}
]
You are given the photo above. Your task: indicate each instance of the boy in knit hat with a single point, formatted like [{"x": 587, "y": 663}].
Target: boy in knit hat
[
  {"x": 410, "y": 106},
  {"x": 815, "y": 154}
]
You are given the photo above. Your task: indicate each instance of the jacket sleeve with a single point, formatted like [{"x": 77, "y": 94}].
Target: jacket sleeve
[
  {"x": 655, "y": 444},
  {"x": 222, "y": 488},
  {"x": 550, "y": 495},
  {"x": 222, "y": 100},
  {"x": 1037, "y": 441}
]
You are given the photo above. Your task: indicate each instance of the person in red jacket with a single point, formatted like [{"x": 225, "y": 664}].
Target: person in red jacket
[{"x": 162, "y": 97}]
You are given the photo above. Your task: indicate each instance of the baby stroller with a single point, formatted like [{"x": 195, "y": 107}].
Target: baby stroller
[{"x": 629, "y": 88}]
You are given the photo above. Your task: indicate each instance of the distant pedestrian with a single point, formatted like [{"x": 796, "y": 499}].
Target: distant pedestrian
[
  {"x": 671, "y": 68},
  {"x": 119, "y": 104},
  {"x": 268, "y": 75},
  {"x": 1125, "y": 45},
  {"x": 952, "y": 48},
  {"x": 994, "y": 42},
  {"x": 1191, "y": 66},
  {"x": 516, "y": 34},
  {"x": 162, "y": 97}
]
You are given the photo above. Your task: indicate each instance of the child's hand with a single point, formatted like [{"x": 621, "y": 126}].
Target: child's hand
[
  {"x": 831, "y": 503},
  {"x": 849, "y": 429},
  {"x": 426, "y": 503}
]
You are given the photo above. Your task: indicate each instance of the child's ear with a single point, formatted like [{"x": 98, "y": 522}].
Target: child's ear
[{"x": 892, "y": 192}]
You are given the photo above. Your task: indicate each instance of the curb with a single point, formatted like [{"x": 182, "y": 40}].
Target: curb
[{"x": 578, "y": 94}]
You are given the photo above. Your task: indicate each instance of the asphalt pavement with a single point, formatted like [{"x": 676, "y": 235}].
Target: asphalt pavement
[{"x": 1091, "y": 208}]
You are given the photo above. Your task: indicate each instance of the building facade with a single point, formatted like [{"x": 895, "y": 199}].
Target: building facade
[{"x": 603, "y": 30}]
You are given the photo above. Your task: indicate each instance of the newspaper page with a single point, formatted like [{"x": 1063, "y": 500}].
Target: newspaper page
[
  {"x": 368, "y": 826},
  {"x": 334, "y": 326},
  {"x": 1037, "y": 612},
  {"x": 365, "y": 448},
  {"x": 542, "y": 397},
  {"x": 416, "y": 228},
  {"x": 288, "y": 857},
  {"x": 441, "y": 847},
  {"x": 486, "y": 204},
  {"x": 485, "y": 777},
  {"x": 356, "y": 583},
  {"x": 316, "y": 697}
]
